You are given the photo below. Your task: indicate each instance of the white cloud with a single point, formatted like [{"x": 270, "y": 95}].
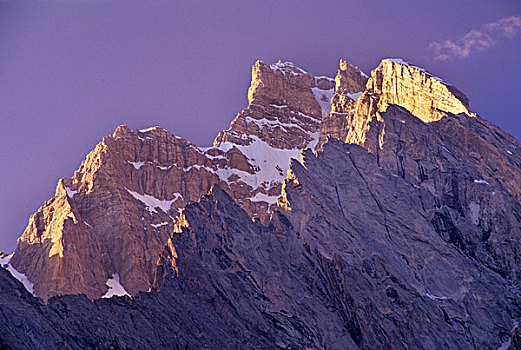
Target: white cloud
[{"x": 477, "y": 39}]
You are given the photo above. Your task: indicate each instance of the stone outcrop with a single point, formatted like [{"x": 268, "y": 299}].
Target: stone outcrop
[
  {"x": 282, "y": 108},
  {"x": 285, "y": 108},
  {"x": 421, "y": 93},
  {"x": 396, "y": 82}
]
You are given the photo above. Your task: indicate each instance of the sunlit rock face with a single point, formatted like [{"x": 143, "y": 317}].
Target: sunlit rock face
[
  {"x": 395, "y": 82},
  {"x": 282, "y": 109},
  {"x": 413, "y": 88},
  {"x": 336, "y": 268},
  {"x": 113, "y": 215},
  {"x": 285, "y": 108}
]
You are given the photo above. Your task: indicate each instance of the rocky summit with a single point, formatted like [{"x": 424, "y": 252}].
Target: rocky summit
[{"x": 355, "y": 212}]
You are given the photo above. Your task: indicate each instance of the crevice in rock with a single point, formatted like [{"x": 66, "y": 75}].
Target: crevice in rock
[{"x": 372, "y": 195}]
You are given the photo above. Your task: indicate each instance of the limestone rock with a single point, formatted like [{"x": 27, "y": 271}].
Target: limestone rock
[
  {"x": 284, "y": 108},
  {"x": 349, "y": 79},
  {"x": 402, "y": 280},
  {"x": 395, "y": 81}
]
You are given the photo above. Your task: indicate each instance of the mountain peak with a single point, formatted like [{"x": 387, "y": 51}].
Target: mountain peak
[
  {"x": 402, "y": 62},
  {"x": 349, "y": 79},
  {"x": 287, "y": 68},
  {"x": 422, "y": 93},
  {"x": 280, "y": 82},
  {"x": 426, "y": 96},
  {"x": 285, "y": 106}
]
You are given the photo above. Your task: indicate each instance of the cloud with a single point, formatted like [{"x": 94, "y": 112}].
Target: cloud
[{"x": 477, "y": 39}]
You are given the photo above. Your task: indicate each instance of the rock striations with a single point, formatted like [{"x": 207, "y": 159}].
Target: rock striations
[{"x": 396, "y": 224}]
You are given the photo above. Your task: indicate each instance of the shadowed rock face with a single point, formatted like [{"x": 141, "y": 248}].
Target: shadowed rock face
[
  {"x": 402, "y": 231},
  {"x": 424, "y": 133},
  {"x": 474, "y": 182},
  {"x": 367, "y": 248},
  {"x": 420, "y": 129}
]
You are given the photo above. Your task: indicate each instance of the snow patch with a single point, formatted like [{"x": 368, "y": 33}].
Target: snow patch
[
  {"x": 272, "y": 124},
  {"x": 220, "y": 156},
  {"x": 70, "y": 192},
  {"x": 398, "y": 60},
  {"x": 285, "y": 68},
  {"x": 509, "y": 152},
  {"x": 320, "y": 77},
  {"x": 4, "y": 262},
  {"x": 5, "y": 259},
  {"x": 314, "y": 140},
  {"x": 148, "y": 129},
  {"x": 300, "y": 114},
  {"x": 115, "y": 288},
  {"x": 279, "y": 106},
  {"x": 152, "y": 202},
  {"x": 262, "y": 197},
  {"x": 355, "y": 96},
  {"x": 137, "y": 165},
  {"x": 159, "y": 225},
  {"x": 86, "y": 223},
  {"x": 166, "y": 167},
  {"x": 271, "y": 163},
  {"x": 198, "y": 167},
  {"x": 481, "y": 182},
  {"x": 435, "y": 297},
  {"x": 325, "y": 103}
]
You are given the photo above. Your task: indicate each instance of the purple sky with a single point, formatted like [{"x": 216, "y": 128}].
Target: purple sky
[{"x": 70, "y": 72}]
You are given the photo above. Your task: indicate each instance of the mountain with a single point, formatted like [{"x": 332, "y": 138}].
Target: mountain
[
  {"x": 113, "y": 216},
  {"x": 357, "y": 212}
]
